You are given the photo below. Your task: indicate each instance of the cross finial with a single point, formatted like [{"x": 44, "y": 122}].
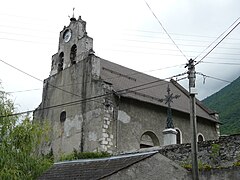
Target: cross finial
[
  {"x": 73, "y": 18},
  {"x": 168, "y": 100},
  {"x": 73, "y": 12}
]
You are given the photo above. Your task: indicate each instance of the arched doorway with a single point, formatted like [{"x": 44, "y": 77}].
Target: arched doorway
[{"x": 149, "y": 139}]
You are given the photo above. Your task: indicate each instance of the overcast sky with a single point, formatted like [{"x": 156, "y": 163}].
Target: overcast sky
[{"x": 124, "y": 32}]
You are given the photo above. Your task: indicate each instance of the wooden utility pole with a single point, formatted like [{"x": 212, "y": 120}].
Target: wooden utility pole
[{"x": 193, "y": 121}]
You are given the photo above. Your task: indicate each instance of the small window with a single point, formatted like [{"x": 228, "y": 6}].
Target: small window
[
  {"x": 73, "y": 54},
  {"x": 63, "y": 116},
  {"x": 200, "y": 137},
  {"x": 60, "y": 61},
  {"x": 178, "y": 136}
]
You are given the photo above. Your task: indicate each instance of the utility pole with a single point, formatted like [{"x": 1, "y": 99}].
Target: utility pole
[{"x": 193, "y": 121}]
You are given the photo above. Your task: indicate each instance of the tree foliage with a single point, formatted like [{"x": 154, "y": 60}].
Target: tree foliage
[
  {"x": 19, "y": 141},
  {"x": 227, "y": 103}
]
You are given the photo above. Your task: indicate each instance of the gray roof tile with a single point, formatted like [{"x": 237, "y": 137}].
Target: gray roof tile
[
  {"x": 92, "y": 168},
  {"x": 133, "y": 84}
]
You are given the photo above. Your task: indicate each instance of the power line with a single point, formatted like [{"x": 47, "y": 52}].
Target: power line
[
  {"x": 209, "y": 62},
  {"x": 159, "y": 37},
  {"x": 167, "y": 54},
  {"x": 27, "y": 35},
  {"x": 221, "y": 63},
  {"x": 206, "y": 76},
  {"x": 37, "y": 78},
  {"x": 218, "y": 42},
  {"x": 26, "y": 41},
  {"x": 25, "y": 17},
  {"x": 216, "y": 39},
  {"x": 19, "y": 91},
  {"x": 119, "y": 92},
  {"x": 122, "y": 91},
  {"x": 24, "y": 28},
  {"x": 20, "y": 70},
  {"x": 165, "y": 30},
  {"x": 117, "y": 76},
  {"x": 188, "y": 35},
  {"x": 158, "y": 42},
  {"x": 42, "y": 81},
  {"x": 166, "y": 49}
]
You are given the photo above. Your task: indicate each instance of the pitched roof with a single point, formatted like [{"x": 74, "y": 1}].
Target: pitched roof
[
  {"x": 133, "y": 84},
  {"x": 93, "y": 168}
]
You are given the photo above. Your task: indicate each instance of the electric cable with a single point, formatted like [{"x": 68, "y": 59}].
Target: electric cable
[
  {"x": 58, "y": 87},
  {"x": 26, "y": 41},
  {"x": 37, "y": 78},
  {"x": 221, "y": 63},
  {"x": 27, "y": 35},
  {"x": 158, "y": 42},
  {"x": 217, "y": 38},
  {"x": 165, "y": 49},
  {"x": 177, "y": 34},
  {"x": 127, "y": 51},
  {"x": 119, "y": 92},
  {"x": 19, "y": 91},
  {"x": 191, "y": 40},
  {"x": 219, "y": 79},
  {"x": 217, "y": 43},
  {"x": 165, "y": 30}
]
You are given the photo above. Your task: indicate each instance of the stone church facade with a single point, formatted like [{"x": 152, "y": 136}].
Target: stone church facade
[{"x": 95, "y": 105}]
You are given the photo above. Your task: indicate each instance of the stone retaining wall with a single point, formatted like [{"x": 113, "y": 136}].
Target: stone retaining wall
[
  {"x": 223, "y": 152},
  {"x": 230, "y": 173}
]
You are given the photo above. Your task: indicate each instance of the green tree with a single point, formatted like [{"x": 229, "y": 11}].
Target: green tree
[{"x": 19, "y": 142}]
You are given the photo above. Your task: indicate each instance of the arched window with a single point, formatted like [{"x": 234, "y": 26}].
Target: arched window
[
  {"x": 178, "y": 136},
  {"x": 60, "y": 61},
  {"x": 149, "y": 139},
  {"x": 200, "y": 137},
  {"x": 63, "y": 116},
  {"x": 73, "y": 54}
]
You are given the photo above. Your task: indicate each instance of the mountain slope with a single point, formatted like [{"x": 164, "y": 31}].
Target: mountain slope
[{"x": 227, "y": 103}]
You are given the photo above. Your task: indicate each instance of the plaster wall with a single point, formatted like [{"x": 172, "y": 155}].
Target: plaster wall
[
  {"x": 156, "y": 167},
  {"x": 206, "y": 128},
  {"x": 82, "y": 128},
  {"x": 135, "y": 118}
]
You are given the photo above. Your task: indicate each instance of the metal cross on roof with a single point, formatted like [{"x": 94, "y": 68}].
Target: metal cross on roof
[{"x": 168, "y": 100}]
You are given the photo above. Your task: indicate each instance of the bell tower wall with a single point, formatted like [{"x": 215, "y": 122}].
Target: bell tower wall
[{"x": 74, "y": 46}]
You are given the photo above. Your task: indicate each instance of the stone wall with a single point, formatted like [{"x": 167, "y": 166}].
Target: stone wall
[
  {"x": 223, "y": 152},
  {"x": 230, "y": 173}
]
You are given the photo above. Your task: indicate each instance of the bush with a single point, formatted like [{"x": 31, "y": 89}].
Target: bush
[{"x": 83, "y": 155}]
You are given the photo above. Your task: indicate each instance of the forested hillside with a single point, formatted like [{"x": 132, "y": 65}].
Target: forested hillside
[{"x": 227, "y": 103}]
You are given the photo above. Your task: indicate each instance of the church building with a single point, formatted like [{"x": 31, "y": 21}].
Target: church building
[{"x": 93, "y": 104}]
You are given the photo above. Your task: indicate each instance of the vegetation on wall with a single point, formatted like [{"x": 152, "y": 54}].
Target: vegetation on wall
[
  {"x": 19, "y": 141},
  {"x": 227, "y": 103},
  {"x": 201, "y": 166},
  {"x": 83, "y": 155}
]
